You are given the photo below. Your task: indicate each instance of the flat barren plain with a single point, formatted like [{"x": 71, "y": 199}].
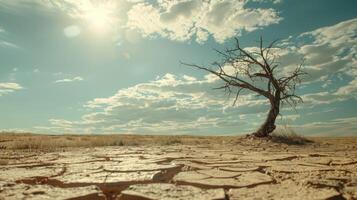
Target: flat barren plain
[{"x": 176, "y": 167}]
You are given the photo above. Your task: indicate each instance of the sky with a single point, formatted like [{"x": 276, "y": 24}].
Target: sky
[{"x": 113, "y": 66}]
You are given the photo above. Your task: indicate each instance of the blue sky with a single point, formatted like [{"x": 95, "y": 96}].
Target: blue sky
[{"x": 113, "y": 66}]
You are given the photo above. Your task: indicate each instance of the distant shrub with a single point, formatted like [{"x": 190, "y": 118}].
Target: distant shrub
[
  {"x": 172, "y": 141},
  {"x": 3, "y": 162},
  {"x": 118, "y": 143}
]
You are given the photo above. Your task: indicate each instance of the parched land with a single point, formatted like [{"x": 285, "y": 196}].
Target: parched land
[{"x": 176, "y": 167}]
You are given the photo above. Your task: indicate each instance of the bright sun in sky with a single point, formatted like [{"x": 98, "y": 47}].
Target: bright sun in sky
[{"x": 100, "y": 16}]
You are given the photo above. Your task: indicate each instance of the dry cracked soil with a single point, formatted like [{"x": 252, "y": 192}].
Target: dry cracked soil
[{"x": 239, "y": 168}]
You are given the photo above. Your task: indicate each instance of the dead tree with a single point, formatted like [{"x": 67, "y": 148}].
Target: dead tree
[{"x": 248, "y": 69}]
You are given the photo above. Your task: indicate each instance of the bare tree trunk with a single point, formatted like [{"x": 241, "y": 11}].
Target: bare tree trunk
[{"x": 269, "y": 125}]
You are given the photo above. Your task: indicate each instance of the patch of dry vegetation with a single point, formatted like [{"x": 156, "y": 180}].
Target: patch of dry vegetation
[
  {"x": 52, "y": 142},
  {"x": 286, "y": 135},
  {"x": 33, "y": 142}
]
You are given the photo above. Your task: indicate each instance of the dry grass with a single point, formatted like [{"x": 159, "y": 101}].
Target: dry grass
[
  {"x": 34, "y": 142},
  {"x": 286, "y": 135},
  {"x": 4, "y": 162},
  {"x": 54, "y": 142}
]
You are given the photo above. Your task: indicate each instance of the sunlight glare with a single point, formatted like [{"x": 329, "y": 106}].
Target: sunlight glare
[{"x": 100, "y": 17}]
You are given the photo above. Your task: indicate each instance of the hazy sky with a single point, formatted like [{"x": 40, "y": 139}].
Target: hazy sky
[{"x": 81, "y": 66}]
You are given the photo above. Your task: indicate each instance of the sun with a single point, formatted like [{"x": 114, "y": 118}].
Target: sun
[{"x": 100, "y": 16}]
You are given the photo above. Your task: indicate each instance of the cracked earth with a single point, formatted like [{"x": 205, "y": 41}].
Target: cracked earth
[{"x": 240, "y": 169}]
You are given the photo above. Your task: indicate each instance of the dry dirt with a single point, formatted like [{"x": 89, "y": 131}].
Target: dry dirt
[{"x": 182, "y": 168}]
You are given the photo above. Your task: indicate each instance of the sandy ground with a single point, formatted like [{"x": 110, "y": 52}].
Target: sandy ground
[{"x": 180, "y": 168}]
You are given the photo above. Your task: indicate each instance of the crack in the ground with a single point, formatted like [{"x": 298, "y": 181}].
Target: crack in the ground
[{"x": 110, "y": 190}]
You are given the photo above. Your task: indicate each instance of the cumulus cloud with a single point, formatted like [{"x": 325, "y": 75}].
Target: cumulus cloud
[
  {"x": 333, "y": 49},
  {"x": 6, "y": 88},
  {"x": 184, "y": 20},
  {"x": 68, "y": 80},
  {"x": 169, "y": 104}
]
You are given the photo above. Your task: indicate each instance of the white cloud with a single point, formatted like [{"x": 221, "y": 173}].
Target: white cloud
[
  {"x": 320, "y": 98},
  {"x": 72, "y": 31},
  {"x": 344, "y": 92},
  {"x": 169, "y": 104},
  {"x": 333, "y": 49},
  {"x": 4, "y": 42},
  {"x": 68, "y": 80},
  {"x": 61, "y": 123},
  {"x": 183, "y": 20},
  {"x": 348, "y": 90},
  {"x": 267, "y": 1},
  {"x": 334, "y": 127},
  {"x": 14, "y": 130},
  {"x": 6, "y": 88}
]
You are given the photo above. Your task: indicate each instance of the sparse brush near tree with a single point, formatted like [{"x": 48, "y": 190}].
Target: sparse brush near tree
[{"x": 287, "y": 135}]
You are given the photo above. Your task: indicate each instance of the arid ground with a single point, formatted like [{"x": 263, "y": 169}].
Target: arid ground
[{"x": 176, "y": 167}]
